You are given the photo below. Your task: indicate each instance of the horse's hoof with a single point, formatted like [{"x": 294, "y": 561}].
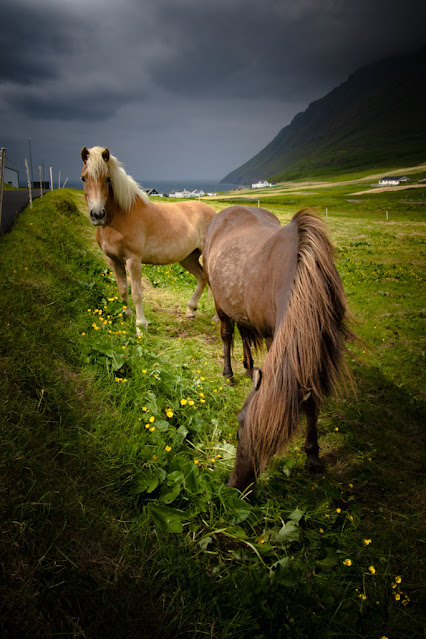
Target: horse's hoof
[
  {"x": 190, "y": 314},
  {"x": 316, "y": 466},
  {"x": 143, "y": 326}
]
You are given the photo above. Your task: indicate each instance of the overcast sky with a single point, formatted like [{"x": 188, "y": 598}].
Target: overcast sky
[{"x": 179, "y": 88}]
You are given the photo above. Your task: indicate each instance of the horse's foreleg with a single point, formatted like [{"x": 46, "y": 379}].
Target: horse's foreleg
[
  {"x": 193, "y": 266},
  {"x": 135, "y": 271},
  {"x": 311, "y": 442},
  {"x": 119, "y": 269},
  {"x": 247, "y": 356},
  {"x": 226, "y": 333}
]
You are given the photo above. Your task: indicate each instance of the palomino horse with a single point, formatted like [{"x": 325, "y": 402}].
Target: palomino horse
[
  {"x": 279, "y": 284},
  {"x": 132, "y": 231}
]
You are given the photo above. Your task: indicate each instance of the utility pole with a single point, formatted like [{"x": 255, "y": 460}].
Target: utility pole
[
  {"x": 31, "y": 162},
  {"x": 3, "y": 157}
]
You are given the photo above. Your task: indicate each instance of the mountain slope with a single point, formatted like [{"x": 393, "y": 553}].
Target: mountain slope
[{"x": 374, "y": 119}]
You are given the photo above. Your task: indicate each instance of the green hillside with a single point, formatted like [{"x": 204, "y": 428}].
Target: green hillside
[{"x": 374, "y": 119}]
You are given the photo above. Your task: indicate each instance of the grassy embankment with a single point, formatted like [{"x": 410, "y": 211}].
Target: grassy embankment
[{"x": 116, "y": 520}]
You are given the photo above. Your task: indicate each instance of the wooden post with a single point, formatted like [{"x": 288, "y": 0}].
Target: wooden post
[
  {"x": 387, "y": 215},
  {"x": 59, "y": 180},
  {"x": 51, "y": 179},
  {"x": 41, "y": 183},
  {"x": 326, "y": 211},
  {"x": 3, "y": 159},
  {"x": 29, "y": 183},
  {"x": 63, "y": 186}
]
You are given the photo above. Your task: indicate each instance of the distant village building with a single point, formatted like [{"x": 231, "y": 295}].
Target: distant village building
[
  {"x": 11, "y": 176},
  {"x": 154, "y": 193},
  {"x": 393, "y": 180},
  {"x": 261, "y": 185},
  {"x": 185, "y": 193}
]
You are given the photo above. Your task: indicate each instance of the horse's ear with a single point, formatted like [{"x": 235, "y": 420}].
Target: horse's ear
[
  {"x": 105, "y": 154},
  {"x": 256, "y": 378},
  {"x": 84, "y": 154}
]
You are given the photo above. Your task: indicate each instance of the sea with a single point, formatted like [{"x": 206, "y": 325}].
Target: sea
[{"x": 164, "y": 187}]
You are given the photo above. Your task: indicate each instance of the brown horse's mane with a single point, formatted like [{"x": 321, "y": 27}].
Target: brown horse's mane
[
  {"x": 125, "y": 189},
  {"x": 306, "y": 356}
]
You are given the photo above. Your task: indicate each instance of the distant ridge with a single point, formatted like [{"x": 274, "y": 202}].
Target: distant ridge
[{"x": 376, "y": 118}]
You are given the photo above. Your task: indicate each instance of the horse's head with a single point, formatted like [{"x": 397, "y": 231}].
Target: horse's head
[
  {"x": 96, "y": 180},
  {"x": 243, "y": 473}
]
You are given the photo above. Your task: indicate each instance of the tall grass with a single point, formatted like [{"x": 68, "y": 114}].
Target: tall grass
[{"x": 116, "y": 517}]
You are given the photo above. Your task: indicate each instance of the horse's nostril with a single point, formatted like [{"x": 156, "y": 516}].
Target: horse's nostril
[{"x": 98, "y": 215}]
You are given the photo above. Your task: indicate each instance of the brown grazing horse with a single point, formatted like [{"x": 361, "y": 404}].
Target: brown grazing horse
[
  {"x": 279, "y": 284},
  {"x": 132, "y": 230}
]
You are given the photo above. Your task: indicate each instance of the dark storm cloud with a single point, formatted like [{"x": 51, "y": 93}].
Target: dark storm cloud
[
  {"x": 283, "y": 49},
  {"x": 199, "y": 87},
  {"x": 31, "y": 41}
]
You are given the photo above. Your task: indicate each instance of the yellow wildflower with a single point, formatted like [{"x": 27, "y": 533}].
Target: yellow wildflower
[
  {"x": 169, "y": 412},
  {"x": 338, "y": 510},
  {"x": 367, "y": 542},
  {"x": 196, "y": 461},
  {"x": 152, "y": 419},
  {"x": 347, "y": 562},
  {"x": 372, "y": 569},
  {"x": 151, "y": 430},
  {"x": 397, "y": 596},
  {"x": 191, "y": 402},
  {"x": 398, "y": 580},
  {"x": 168, "y": 449},
  {"x": 183, "y": 401}
]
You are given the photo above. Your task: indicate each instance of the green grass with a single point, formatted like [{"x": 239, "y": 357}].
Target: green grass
[{"x": 116, "y": 517}]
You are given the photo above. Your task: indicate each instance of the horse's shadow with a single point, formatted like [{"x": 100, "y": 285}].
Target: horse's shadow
[{"x": 380, "y": 431}]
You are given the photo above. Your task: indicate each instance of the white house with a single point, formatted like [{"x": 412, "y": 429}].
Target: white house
[
  {"x": 185, "y": 193},
  {"x": 393, "y": 180},
  {"x": 260, "y": 185},
  {"x": 11, "y": 176}
]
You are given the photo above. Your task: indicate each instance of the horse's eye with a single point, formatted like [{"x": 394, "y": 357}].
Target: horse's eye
[
  {"x": 108, "y": 180},
  {"x": 83, "y": 179}
]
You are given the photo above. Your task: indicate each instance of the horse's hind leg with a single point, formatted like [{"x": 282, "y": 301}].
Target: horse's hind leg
[
  {"x": 192, "y": 264},
  {"x": 311, "y": 442}
]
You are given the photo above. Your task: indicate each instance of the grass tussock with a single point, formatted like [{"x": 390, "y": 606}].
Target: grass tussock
[{"x": 116, "y": 517}]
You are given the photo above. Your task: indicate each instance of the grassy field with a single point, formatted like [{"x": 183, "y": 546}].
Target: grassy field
[{"x": 116, "y": 517}]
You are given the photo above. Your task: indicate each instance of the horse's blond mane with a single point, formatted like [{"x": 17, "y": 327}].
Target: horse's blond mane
[{"x": 126, "y": 190}]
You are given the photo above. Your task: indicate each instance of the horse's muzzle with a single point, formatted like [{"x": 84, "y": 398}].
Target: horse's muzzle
[{"x": 98, "y": 218}]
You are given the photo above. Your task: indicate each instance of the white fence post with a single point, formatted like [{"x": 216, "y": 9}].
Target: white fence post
[
  {"x": 2, "y": 160},
  {"x": 51, "y": 179},
  {"x": 41, "y": 183},
  {"x": 29, "y": 183}
]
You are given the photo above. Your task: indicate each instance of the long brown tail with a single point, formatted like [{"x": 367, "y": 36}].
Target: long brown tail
[{"x": 306, "y": 355}]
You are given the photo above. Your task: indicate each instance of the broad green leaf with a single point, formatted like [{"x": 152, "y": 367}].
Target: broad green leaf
[
  {"x": 168, "y": 519},
  {"x": 329, "y": 561},
  {"x": 289, "y": 532},
  {"x": 296, "y": 515}
]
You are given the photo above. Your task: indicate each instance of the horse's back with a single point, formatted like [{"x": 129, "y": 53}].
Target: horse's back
[{"x": 250, "y": 261}]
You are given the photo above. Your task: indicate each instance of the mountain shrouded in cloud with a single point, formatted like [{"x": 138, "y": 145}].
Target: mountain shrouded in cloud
[{"x": 375, "y": 118}]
